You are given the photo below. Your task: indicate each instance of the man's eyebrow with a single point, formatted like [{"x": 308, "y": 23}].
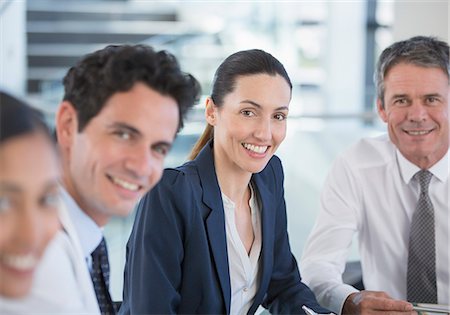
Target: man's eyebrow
[
  {"x": 399, "y": 96},
  {"x": 133, "y": 130},
  {"x": 260, "y": 106},
  {"x": 432, "y": 95},
  {"x": 124, "y": 126},
  {"x": 424, "y": 96}
]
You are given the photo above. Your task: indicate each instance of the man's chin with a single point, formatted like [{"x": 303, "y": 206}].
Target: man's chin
[{"x": 124, "y": 209}]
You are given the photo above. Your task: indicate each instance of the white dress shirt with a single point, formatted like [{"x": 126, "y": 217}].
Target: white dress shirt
[
  {"x": 62, "y": 284},
  {"x": 89, "y": 233},
  {"x": 244, "y": 268},
  {"x": 371, "y": 191}
]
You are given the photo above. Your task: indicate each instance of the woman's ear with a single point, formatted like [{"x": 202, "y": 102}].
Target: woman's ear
[
  {"x": 66, "y": 124},
  {"x": 210, "y": 111}
]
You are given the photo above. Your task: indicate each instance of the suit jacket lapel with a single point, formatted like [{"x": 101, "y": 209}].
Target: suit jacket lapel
[
  {"x": 215, "y": 221},
  {"x": 268, "y": 204}
]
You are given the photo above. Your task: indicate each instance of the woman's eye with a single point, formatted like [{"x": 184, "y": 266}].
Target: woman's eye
[
  {"x": 50, "y": 200},
  {"x": 247, "y": 113},
  {"x": 5, "y": 204}
]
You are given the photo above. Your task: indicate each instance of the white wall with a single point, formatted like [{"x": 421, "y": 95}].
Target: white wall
[
  {"x": 13, "y": 46},
  {"x": 345, "y": 56},
  {"x": 421, "y": 18}
]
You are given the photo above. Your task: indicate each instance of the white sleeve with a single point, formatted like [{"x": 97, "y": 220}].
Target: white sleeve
[{"x": 327, "y": 247}]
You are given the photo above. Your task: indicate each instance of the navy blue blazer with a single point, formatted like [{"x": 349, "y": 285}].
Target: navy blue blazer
[{"x": 177, "y": 259}]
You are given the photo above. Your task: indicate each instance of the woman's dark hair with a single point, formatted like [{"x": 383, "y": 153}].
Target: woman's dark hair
[
  {"x": 242, "y": 63},
  {"x": 17, "y": 119}
]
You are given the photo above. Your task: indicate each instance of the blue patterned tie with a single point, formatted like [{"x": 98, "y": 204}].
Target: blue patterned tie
[
  {"x": 100, "y": 278},
  {"x": 421, "y": 276}
]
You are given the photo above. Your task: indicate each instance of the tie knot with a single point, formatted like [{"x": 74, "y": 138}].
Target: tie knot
[
  {"x": 424, "y": 178},
  {"x": 101, "y": 250}
]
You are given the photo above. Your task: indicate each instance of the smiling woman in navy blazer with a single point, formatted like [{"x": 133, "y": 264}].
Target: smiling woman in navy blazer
[{"x": 211, "y": 237}]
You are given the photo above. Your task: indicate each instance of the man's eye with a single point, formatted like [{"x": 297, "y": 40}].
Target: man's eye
[
  {"x": 432, "y": 99},
  {"x": 124, "y": 135},
  {"x": 401, "y": 101},
  {"x": 162, "y": 150}
]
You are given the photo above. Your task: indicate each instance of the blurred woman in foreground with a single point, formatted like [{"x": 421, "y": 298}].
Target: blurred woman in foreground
[{"x": 28, "y": 194}]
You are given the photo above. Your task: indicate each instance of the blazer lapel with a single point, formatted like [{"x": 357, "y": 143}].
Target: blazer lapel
[
  {"x": 215, "y": 221},
  {"x": 268, "y": 204}
]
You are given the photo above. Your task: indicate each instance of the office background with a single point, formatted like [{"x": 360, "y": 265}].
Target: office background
[{"x": 329, "y": 49}]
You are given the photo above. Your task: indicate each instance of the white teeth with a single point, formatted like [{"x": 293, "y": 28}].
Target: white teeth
[
  {"x": 20, "y": 262},
  {"x": 125, "y": 184},
  {"x": 255, "y": 148},
  {"x": 418, "y": 132}
]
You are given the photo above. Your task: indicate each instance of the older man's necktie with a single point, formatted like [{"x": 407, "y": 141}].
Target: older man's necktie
[
  {"x": 421, "y": 275},
  {"x": 100, "y": 278}
]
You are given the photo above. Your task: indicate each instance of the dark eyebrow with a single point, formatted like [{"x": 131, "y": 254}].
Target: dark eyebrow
[
  {"x": 259, "y": 106},
  {"x": 124, "y": 126},
  {"x": 50, "y": 185},
  {"x": 8, "y": 187},
  {"x": 13, "y": 188},
  {"x": 399, "y": 96},
  {"x": 432, "y": 95},
  {"x": 132, "y": 130},
  {"x": 395, "y": 96}
]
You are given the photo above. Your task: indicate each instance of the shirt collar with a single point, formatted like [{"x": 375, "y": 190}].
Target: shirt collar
[
  {"x": 229, "y": 204},
  {"x": 89, "y": 233},
  {"x": 407, "y": 169}
]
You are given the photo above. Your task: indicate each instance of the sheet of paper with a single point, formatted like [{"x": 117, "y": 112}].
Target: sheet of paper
[{"x": 431, "y": 309}]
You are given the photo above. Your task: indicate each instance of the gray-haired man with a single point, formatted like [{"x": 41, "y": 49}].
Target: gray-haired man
[{"x": 393, "y": 192}]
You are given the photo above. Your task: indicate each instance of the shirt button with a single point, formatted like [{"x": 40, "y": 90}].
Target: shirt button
[{"x": 245, "y": 289}]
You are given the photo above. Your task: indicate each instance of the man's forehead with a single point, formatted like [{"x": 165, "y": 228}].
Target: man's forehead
[
  {"x": 408, "y": 65},
  {"x": 419, "y": 75}
]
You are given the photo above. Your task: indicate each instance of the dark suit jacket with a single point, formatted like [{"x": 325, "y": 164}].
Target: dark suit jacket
[{"x": 177, "y": 258}]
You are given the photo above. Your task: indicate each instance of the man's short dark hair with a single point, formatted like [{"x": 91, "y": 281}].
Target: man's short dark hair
[
  {"x": 117, "y": 68},
  {"x": 422, "y": 51}
]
